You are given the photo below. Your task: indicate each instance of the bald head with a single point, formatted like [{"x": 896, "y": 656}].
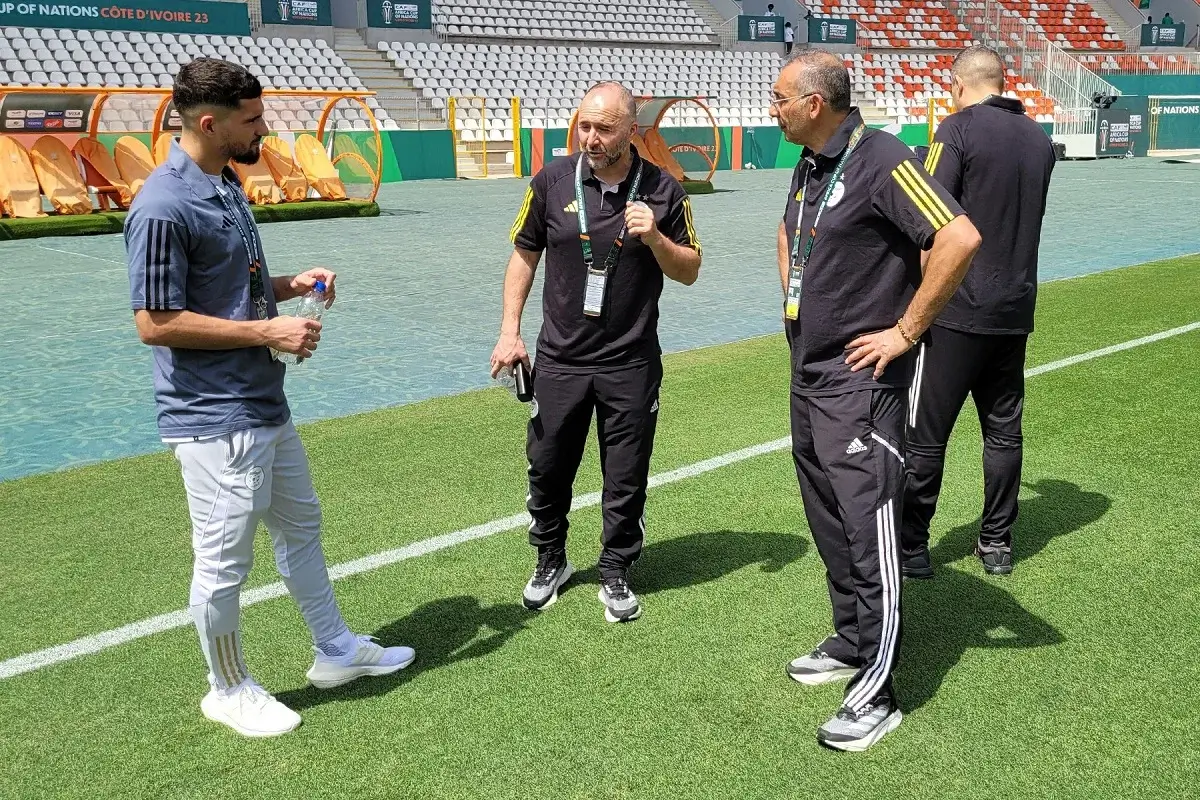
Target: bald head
[
  {"x": 979, "y": 69},
  {"x": 610, "y": 97},
  {"x": 816, "y": 71}
]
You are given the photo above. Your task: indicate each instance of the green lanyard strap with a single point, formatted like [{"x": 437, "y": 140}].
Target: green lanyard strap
[
  {"x": 250, "y": 241},
  {"x": 585, "y": 240},
  {"x": 837, "y": 173}
]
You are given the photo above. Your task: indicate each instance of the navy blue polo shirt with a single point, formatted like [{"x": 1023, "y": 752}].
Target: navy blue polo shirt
[{"x": 185, "y": 254}]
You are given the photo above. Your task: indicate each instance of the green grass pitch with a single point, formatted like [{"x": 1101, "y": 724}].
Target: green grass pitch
[{"x": 1073, "y": 678}]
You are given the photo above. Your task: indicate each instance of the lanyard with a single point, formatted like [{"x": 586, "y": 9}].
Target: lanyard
[
  {"x": 585, "y": 240},
  {"x": 837, "y": 173},
  {"x": 251, "y": 243}
]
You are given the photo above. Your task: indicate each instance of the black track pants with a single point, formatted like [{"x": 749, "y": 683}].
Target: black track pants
[
  {"x": 626, "y": 405},
  {"x": 991, "y": 368},
  {"x": 849, "y": 454}
]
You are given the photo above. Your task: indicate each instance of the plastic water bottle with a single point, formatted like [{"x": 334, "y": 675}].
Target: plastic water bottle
[{"x": 312, "y": 306}]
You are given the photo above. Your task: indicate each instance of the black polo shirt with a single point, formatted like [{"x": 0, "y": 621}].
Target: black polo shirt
[
  {"x": 866, "y": 260},
  {"x": 996, "y": 162},
  {"x": 626, "y": 333}
]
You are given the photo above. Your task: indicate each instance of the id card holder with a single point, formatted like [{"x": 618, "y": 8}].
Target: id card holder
[
  {"x": 593, "y": 298},
  {"x": 795, "y": 280}
]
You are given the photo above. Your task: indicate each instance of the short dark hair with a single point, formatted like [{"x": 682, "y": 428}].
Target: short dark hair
[
  {"x": 213, "y": 82},
  {"x": 979, "y": 66},
  {"x": 825, "y": 74}
]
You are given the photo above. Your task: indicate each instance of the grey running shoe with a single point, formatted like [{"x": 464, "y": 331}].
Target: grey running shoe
[
  {"x": 917, "y": 565},
  {"x": 819, "y": 667},
  {"x": 856, "y": 732},
  {"x": 620, "y": 603},
  {"x": 997, "y": 559},
  {"x": 552, "y": 571}
]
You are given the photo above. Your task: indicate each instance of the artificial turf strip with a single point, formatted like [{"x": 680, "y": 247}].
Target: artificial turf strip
[
  {"x": 1043, "y": 683},
  {"x": 102, "y": 222}
]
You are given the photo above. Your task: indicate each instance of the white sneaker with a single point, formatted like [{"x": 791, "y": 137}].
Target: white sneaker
[
  {"x": 367, "y": 659},
  {"x": 250, "y": 710}
]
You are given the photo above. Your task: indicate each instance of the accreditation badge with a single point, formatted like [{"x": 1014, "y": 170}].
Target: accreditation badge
[
  {"x": 795, "y": 280},
  {"x": 593, "y": 299}
]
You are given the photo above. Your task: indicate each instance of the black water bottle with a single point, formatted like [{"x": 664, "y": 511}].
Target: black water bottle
[{"x": 524, "y": 381}]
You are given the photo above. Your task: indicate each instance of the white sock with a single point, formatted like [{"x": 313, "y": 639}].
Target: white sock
[{"x": 343, "y": 645}]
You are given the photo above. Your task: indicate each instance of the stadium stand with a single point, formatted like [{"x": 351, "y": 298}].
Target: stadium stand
[
  {"x": 916, "y": 24},
  {"x": 77, "y": 58},
  {"x": 899, "y": 23},
  {"x": 659, "y": 21},
  {"x": 1143, "y": 63}
]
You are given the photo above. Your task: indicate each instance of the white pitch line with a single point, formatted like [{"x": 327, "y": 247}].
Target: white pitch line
[{"x": 180, "y": 619}]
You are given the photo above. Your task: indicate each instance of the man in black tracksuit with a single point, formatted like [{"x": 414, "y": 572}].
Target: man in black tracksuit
[
  {"x": 612, "y": 224},
  {"x": 859, "y": 212},
  {"x": 997, "y": 163}
]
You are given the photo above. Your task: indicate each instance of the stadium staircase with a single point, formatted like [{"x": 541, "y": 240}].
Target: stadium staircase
[{"x": 394, "y": 92}]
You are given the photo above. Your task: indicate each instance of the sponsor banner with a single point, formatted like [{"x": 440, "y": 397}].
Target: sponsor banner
[
  {"x": 296, "y": 12},
  {"x": 168, "y": 16},
  {"x": 825, "y": 30},
  {"x": 1163, "y": 35},
  {"x": 760, "y": 29},
  {"x": 1112, "y": 132},
  {"x": 26, "y": 112},
  {"x": 399, "y": 14}
]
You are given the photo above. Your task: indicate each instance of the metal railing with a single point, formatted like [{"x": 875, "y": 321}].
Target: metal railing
[
  {"x": 1030, "y": 54},
  {"x": 1181, "y": 63},
  {"x": 727, "y": 32}
]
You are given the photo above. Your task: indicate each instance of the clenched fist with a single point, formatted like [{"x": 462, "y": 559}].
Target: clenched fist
[{"x": 639, "y": 219}]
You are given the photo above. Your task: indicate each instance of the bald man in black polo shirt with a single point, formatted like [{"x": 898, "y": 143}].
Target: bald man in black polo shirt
[
  {"x": 612, "y": 225},
  {"x": 997, "y": 163},
  {"x": 859, "y": 211}
]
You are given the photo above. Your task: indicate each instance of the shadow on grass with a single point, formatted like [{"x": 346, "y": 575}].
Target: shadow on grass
[
  {"x": 959, "y": 610},
  {"x": 455, "y": 629},
  {"x": 700, "y": 558}
]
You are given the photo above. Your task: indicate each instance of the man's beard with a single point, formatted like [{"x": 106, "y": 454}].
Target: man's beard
[
  {"x": 248, "y": 156},
  {"x": 608, "y": 157}
]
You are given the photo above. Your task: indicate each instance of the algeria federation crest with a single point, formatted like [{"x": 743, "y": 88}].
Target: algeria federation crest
[
  {"x": 839, "y": 191},
  {"x": 255, "y": 478}
]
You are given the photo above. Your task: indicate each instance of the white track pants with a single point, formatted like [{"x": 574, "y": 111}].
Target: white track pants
[{"x": 232, "y": 483}]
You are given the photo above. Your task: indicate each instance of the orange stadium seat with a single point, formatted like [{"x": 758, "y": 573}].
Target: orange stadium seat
[
  {"x": 134, "y": 162},
  {"x": 101, "y": 174},
  {"x": 58, "y": 174},
  {"x": 320, "y": 172},
  {"x": 258, "y": 183},
  {"x": 277, "y": 154},
  {"x": 162, "y": 148},
  {"x": 20, "y": 195}
]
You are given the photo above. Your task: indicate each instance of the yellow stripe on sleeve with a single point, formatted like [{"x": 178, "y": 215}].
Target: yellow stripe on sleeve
[
  {"x": 522, "y": 215},
  {"x": 693, "y": 239},
  {"x": 922, "y": 196},
  {"x": 933, "y": 157}
]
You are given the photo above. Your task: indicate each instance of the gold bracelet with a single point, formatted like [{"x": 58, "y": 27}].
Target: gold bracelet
[{"x": 904, "y": 333}]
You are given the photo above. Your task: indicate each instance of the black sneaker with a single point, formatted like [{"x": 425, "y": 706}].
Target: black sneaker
[
  {"x": 996, "y": 559},
  {"x": 620, "y": 603},
  {"x": 552, "y": 571},
  {"x": 856, "y": 731},
  {"x": 918, "y": 565}
]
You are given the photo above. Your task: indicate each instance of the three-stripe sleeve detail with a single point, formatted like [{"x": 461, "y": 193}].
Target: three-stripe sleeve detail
[{"x": 922, "y": 195}]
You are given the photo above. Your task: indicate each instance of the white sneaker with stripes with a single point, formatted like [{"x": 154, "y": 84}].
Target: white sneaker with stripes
[
  {"x": 368, "y": 659},
  {"x": 250, "y": 710}
]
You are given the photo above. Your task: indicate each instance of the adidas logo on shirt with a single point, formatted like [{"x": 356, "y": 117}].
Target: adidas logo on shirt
[
  {"x": 572, "y": 208},
  {"x": 856, "y": 447}
]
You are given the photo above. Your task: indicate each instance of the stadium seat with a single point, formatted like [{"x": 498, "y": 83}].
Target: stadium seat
[
  {"x": 319, "y": 171},
  {"x": 258, "y": 183},
  {"x": 20, "y": 194},
  {"x": 101, "y": 174},
  {"x": 134, "y": 162},
  {"x": 58, "y": 175},
  {"x": 277, "y": 154}
]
